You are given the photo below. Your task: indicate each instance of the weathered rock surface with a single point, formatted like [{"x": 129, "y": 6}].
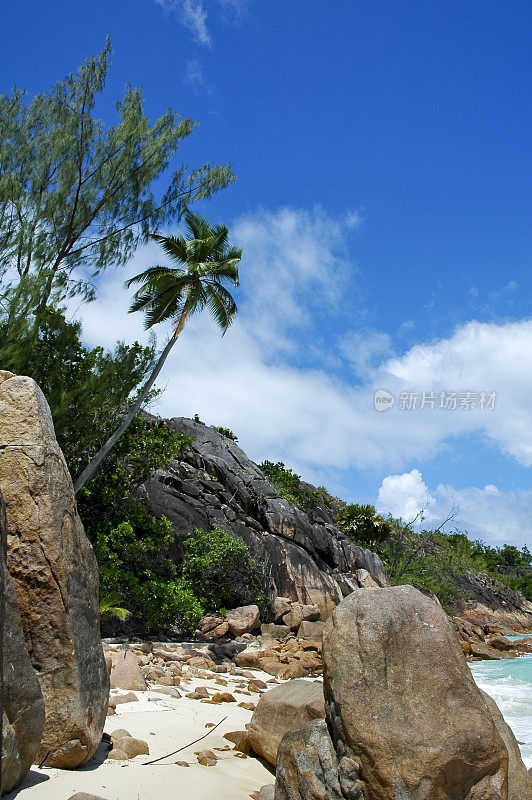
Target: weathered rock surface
[
  {"x": 126, "y": 673},
  {"x": 22, "y": 700},
  {"x": 307, "y": 766},
  {"x": 284, "y": 709},
  {"x": 54, "y": 573},
  {"x": 267, "y": 792},
  {"x": 401, "y": 700},
  {"x": 519, "y": 781},
  {"x": 493, "y": 603},
  {"x": 308, "y": 558},
  {"x": 244, "y": 619}
]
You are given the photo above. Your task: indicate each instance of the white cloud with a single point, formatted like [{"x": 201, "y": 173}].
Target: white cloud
[
  {"x": 193, "y": 16},
  {"x": 404, "y": 496},
  {"x": 294, "y": 272},
  {"x": 477, "y": 357},
  {"x": 366, "y": 349},
  {"x": 295, "y": 275},
  {"x": 496, "y": 517},
  {"x": 195, "y": 77}
]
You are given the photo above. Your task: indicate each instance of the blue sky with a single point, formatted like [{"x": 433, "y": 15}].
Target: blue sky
[{"x": 383, "y": 203}]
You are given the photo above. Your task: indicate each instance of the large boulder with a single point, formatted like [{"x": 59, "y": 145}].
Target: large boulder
[
  {"x": 22, "y": 703},
  {"x": 55, "y": 576},
  {"x": 519, "y": 780},
  {"x": 401, "y": 702},
  {"x": 283, "y": 709}
]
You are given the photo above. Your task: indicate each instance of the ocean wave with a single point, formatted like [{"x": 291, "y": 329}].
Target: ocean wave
[{"x": 509, "y": 682}]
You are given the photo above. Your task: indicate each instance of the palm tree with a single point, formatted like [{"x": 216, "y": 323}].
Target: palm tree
[{"x": 203, "y": 262}]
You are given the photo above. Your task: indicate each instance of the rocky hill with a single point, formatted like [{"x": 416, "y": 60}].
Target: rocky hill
[
  {"x": 490, "y": 602},
  {"x": 307, "y": 558}
]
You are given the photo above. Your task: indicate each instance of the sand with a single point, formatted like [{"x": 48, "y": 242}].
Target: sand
[{"x": 166, "y": 724}]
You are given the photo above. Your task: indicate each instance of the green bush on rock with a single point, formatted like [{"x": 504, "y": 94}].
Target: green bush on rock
[{"x": 219, "y": 568}]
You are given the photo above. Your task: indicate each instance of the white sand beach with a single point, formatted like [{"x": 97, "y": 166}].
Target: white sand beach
[{"x": 166, "y": 724}]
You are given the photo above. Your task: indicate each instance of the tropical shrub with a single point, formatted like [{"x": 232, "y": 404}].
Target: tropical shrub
[
  {"x": 362, "y": 524},
  {"x": 218, "y": 568},
  {"x": 227, "y": 432},
  {"x": 290, "y": 487},
  {"x": 131, "y": 545}
]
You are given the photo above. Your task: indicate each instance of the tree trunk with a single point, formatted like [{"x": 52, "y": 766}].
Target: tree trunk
[{"x": 94, "y": 463}]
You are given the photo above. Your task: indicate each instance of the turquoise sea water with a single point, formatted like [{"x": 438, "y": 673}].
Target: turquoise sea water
[{"x": 509, "y": 682}]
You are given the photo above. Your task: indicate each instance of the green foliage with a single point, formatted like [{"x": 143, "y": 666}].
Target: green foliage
[
  {"x": 85, "y": 389},
  {"x": 76, "y": 195},
  {"x": 507, "y": 556},
  {"x": 435, "y": 561},
  {"x": 521, "y": 583},
  {"x": 131, "y": 545},
  {"x": 109, "y": 608},
  {"x": 218, "y": 567},
  {"x": 362, "y": 524},
  {"x": 289, "y": 486},
  {"x": 284, "y": 479},
  {"x": 227, "y": 432},
  {"x": 201, "y": 264}
]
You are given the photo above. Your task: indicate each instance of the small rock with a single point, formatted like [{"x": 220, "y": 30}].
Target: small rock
[
  {"x": 169, "y": 690},
  {"x": 124, "y": 742},
  {"x": 310, "y": 613},
  {"x": 118, "y": 699},
  {"x": 117, "y": 755},
  {"x": 281, "y": 606},
  {"x": 207, "y": 758},
  {"x": 311, "y": 630},
  {"x": 182, "y": 763},
  {"x": 222, "y": 697},
  {"x": 271, "y": 630},
  {"x": 240, "y": 740},
  {"x": 255, "y": 685},
  {"x": 248, "y": 658},
  {"x": 85, "y": 796},
  {"x": 365, "y": 581}
]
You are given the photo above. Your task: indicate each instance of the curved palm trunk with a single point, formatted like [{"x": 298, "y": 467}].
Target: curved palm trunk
[{"x": 94, "y": 463}]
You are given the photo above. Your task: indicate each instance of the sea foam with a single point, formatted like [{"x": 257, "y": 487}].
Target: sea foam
[{"x": 509, "y": 682}]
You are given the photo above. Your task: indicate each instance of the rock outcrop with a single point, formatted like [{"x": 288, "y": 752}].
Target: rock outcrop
[
  {"x": 400, "y": 700},
  {"x": 307, "y": 557},
  {"x": 493, "y": 603},
  {"x": 281, "y": 710},
  {"x": 54, "y": 573},
  {"x": 22, "y": 702},
  {"x": 404, "y": 717}
]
